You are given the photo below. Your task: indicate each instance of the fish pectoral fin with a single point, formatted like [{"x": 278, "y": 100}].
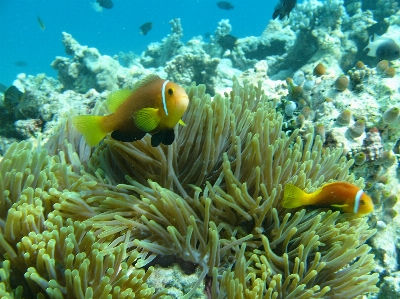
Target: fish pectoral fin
[
  {"x": 182, "y": 123},
  {"x": 146, "y": 119},
  {"x": 340, "y": 206}
]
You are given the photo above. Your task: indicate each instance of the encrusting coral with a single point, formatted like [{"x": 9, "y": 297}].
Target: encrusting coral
[{"x": 91, "y": 220}]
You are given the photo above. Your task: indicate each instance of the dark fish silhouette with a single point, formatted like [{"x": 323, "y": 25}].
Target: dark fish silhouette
[
  {"x": 227, "y": 42},
  {"x": 20, "y": 63},
  {"x": 225, "y": 5},
  {"x": 12, "y": 97},
  {"x": 283, "y": 8},
  {"x": 383, "y": 48},
  {"x": 41, "y": 24},
  {"x": 105, "y": 3},
  {"x": 146, "y": 27}
]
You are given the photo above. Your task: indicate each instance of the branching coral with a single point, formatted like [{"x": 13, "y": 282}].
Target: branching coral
[{"x": 211, "y": 198}]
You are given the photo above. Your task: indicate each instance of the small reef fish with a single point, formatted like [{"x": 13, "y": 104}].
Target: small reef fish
[
  {"x": 12, "y": 97},
  {"x": 146, "y": 27},
  {"x": 383, "y": 48},
  {"x": 283, "y": 8},
  {"x": 154, "y": 106},
  {"x": 225, "y": 5},
  {"x": 105, "y": 3},
  {"x": 20, "y": 63},
  {"x": 227, "y": 42},
  {"x": 342, "y": 195},
  {"x": 41, "y": 24}
]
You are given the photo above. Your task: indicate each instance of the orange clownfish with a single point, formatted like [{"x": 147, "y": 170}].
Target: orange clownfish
[
  {"x": 345, "y": 196},
  {"x": 153, "y": 106}
]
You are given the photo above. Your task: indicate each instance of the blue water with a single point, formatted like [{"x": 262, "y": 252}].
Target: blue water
[{"x": 110, "y": 31}]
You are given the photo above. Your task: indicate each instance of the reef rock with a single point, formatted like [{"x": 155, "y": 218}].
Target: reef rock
[{"x": 89, "y": 69}]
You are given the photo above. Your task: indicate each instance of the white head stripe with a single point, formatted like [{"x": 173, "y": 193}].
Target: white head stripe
[
  {"x": 164, "y": 102},
  {"x": 357, "y": 201}
]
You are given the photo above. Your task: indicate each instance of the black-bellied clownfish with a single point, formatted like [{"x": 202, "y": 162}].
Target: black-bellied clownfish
[
  {"x": 154, "y": 106},
  {"x": 342, "y": 195}
]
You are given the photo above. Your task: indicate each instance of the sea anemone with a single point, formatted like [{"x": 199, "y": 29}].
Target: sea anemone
[
  {"x": 360, "y": 158},
  {"x": 307, "y": 112},
  {"x": 290, "y": 107},
  {"x": 391, "y": 115},
  {"x": 342, "y": 82},
  {"x": 319, "y": 70},
  {"x": 82, "y": 224},
  {"x": 390, "y": 72},
  {"x": 296, "y": 92},
  {"x": 360, "y": 65},
  {"x": 390, "y": 201},
  {"x": 357, "y": 129},
  {"x": 382, "y": 66},
  {"x": 344, "y": 118},
  {"x": 320, "y": 130}
]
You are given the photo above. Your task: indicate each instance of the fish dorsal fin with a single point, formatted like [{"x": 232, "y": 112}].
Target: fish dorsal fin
[
  {"x": 116, "y": 98},
  {"x": 380, "y": 38},
  {"x": 146, "y": 119},
  {"x": 146, "y": 80}
]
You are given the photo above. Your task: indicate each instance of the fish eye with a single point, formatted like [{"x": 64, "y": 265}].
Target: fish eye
[
  {"x": 362, "y": 202},
  {"x": 170, "y": 91}
]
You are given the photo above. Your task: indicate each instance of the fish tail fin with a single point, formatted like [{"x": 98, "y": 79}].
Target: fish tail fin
[
  {"x": 91, "y": 127},
  {"x": 293, "y": 196}
]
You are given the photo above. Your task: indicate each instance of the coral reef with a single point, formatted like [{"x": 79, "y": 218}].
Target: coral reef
[
  {"x": 193, "y": 64},
  {"x": 212, "y": 198},
  {"x": 89, "y": 69},
  {"x": 157, "y": 54}
]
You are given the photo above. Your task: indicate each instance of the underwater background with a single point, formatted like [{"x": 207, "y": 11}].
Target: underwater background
[
  {"x": 112, "y": 30},
  {"x": 153, "y": 149}
]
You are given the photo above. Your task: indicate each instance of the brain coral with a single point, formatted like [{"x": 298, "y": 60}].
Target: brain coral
[{"x": 212, "y": 198}]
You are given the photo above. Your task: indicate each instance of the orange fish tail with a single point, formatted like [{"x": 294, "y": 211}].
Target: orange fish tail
[
  {"x": 91, "y": 127},
  {"x": 293, "y": 197}
]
